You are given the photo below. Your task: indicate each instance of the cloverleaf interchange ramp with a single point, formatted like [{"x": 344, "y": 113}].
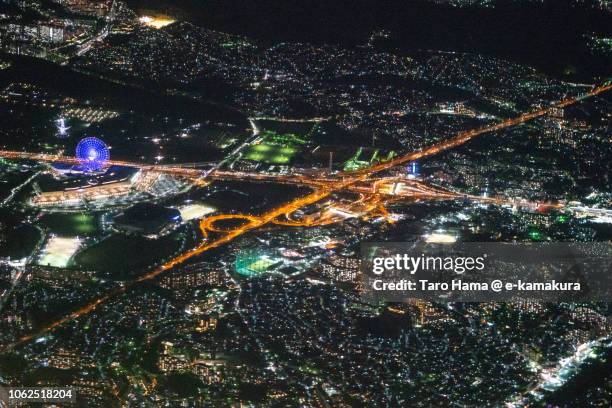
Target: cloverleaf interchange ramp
[{"x": 323, "y": 188}]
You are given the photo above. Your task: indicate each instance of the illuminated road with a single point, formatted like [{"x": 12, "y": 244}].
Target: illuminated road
[
  {"x": 466, "y": 136},
  {"x": 551, "y": 379},
  {"x": 453, "y": 142},
  {"x": 254, "y": 222}
]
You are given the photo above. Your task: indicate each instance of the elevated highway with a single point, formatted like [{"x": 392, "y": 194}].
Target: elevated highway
[{"x": 251, "y": 222}]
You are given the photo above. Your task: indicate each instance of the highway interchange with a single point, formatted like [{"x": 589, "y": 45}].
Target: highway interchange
[{"x": 373, "y": 197}]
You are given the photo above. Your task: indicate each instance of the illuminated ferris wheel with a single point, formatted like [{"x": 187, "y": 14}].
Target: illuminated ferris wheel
[{"x": 93, "y": 154}]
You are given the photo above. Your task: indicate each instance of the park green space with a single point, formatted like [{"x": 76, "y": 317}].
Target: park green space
[
  {"x": 121, "y": 255},
  {"x": 72, "y": 224}
]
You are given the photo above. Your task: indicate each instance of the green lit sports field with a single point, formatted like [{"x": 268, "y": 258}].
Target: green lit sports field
[
  {"x": 275, "y": 148},
  {"x": 271, "y": 154},
  {"x": 252, "y": 264}
]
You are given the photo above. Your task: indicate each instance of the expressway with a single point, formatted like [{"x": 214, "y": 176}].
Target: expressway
[
  {"x": 466, "y": 136},
  {"x": 189, "y": 172},
  {"x": 253, "y": 222}
]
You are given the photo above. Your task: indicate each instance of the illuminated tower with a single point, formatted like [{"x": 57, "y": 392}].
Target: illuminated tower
[
  {"x": 413, "y": 170},
  {"x": 62, "y": 129}
]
